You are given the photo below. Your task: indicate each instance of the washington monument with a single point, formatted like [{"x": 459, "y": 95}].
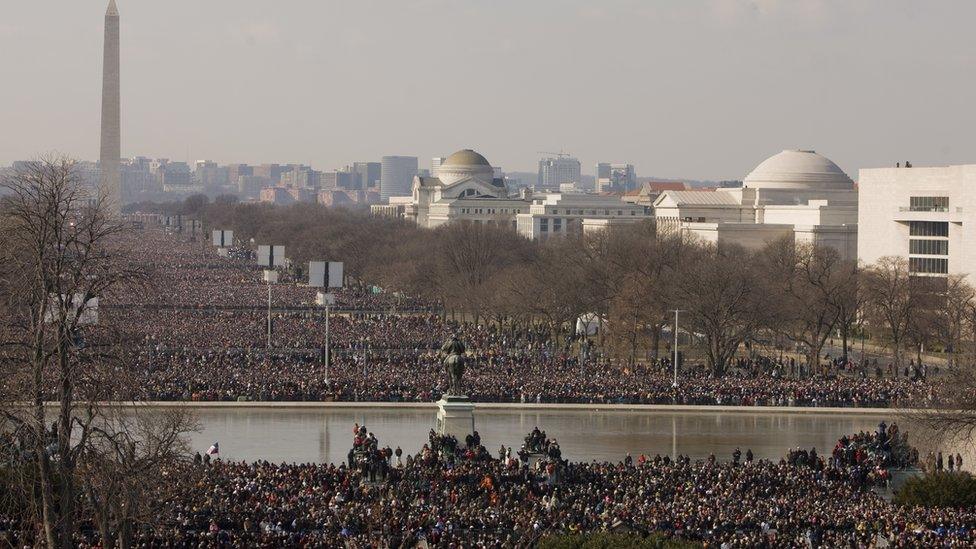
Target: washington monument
[{"x": 111, "y": 153}]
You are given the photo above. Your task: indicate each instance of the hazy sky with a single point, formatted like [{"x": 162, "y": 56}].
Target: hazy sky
[{"x": 680, "y": 88}]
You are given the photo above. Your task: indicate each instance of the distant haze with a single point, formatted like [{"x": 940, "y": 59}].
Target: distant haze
[{"x": 681, "y": 88}]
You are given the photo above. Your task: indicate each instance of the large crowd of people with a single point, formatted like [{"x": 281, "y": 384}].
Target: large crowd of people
[
  {"x": 404, "y": 376},
  {"x": 456, "y": 494},
  {"x": 201, "y": 332},
  {"x": 185, "y": 272}
]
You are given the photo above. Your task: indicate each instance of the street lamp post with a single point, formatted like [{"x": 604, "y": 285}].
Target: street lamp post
[
  {"x": 674, "y": 383},
  {"x": 269, "y": 316},
  {"x": 327, "y": 299},
  {"x": 582, "y": 352},
  {"x": 327, "y": 357}
]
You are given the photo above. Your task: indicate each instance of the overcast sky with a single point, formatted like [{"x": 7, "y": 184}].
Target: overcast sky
[{"x": 680, "y": 88}]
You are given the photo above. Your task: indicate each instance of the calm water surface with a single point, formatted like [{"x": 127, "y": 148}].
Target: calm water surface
[{"x": 308, "y": 435}]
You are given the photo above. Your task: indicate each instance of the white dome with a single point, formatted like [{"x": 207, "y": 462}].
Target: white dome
[
  {"x": 465, "y": 164},
  {"x": 797, "y": 169}
]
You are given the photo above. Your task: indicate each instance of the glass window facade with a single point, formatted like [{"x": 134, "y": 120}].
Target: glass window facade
[
  {"x": 928, "y": 265},
  {"x": 928, "y": 228},
  {"x": 929, "y": 203},
  {"x": 928, "y": 247}
]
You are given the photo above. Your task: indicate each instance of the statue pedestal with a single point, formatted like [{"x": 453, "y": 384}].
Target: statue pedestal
[{"x": 455, "y": 416}]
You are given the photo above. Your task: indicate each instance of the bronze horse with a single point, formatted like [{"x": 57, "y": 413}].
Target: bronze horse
[{"x": 454, "y": 364}]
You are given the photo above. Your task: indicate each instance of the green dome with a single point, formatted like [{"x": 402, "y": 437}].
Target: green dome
[{"x": 466, "y": 157}]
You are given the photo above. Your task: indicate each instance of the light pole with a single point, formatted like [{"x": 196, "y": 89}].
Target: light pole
[
  {"x": 326, "y": 299},
  {"x": 674, "y": 383},
  {"x": 862, "y": 346},
  {"x": 269, "y": 316},
  {"x": 327, "y": 357},
  {"x": 581, "y": 356}
]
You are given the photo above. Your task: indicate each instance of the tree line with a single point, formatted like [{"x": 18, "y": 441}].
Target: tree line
[{"x": 631, "y": 279}]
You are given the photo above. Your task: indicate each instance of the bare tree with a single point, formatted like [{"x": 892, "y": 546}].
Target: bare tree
[
  {"x": 646, "y": 267},
  {"x": 504, "y": 305},
  {"x": 723, "y": 297},
  {"x": 134, "y": 463},
  {"x": 849, "y": 300},
  {"x": 808, "y": 284},
  {"x": 890, "y": 301},
  {"x": 553, "y": 288},
  {"x": 469, "y": 256},
  {"x": 952, "y": 416},
  {"x": 953, "y": 315},
  {"x": 58, "y": 253}
]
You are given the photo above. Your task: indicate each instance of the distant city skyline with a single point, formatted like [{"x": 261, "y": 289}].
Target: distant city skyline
[{"x": 703, "y": 89}]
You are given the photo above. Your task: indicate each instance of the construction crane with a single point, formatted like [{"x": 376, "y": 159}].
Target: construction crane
[{"x": 559, "y": 154}]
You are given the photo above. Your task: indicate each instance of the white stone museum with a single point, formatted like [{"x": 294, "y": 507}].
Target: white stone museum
[
  {"x": 921, "y": 214},
  {"x": 464, "y": 188},
  {"x": 796, "y": 193}
]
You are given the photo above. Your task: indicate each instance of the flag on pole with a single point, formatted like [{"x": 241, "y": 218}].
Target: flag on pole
[{"x": 214, "y": 450}]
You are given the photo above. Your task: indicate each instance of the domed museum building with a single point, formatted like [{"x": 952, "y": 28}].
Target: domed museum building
[
  {"x": 796, "y": 193},
  {"x": 463, "y": 187}
]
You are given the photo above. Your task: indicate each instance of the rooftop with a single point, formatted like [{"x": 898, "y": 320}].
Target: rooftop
[{"x": 701, "y": 198}]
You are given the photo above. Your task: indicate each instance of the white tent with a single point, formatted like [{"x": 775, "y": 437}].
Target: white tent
[{"x": 589, "y": 324}]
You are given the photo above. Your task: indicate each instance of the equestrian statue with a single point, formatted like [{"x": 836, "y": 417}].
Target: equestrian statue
[{"x": 454, "y": 361}]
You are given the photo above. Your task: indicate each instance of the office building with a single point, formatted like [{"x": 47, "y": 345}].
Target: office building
[
  {"x": 284, "y": 196},
  {"x": 271, "y": 171},
  {"x": 435, "y": 163},
  {"x": 171, "y": 176},
  {"x": 617, "y": 178},
  {"x": 250, "y": 186},
  {"x": 137, "y": 179},
  {"x": 209, "y": 175},
  {"x": 554, "y": 171},
  {"x": 347, "y": 198},
  {"x": 235, "y": 171},
  {"x": 561, "y": 214},
  {"x": 368, "y": 175},
  {"x": 925, "y": 215},
  {"x": 396, "y": 175}
]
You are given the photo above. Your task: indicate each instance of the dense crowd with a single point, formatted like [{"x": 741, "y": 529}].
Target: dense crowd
[
  {"x": 207, "y": 330},
  {"x": 185, "y": 272},
  {"x": 515, "y": 376},
  {"x": 201, "y": 333},
  {"x": 455, "y": 494}
]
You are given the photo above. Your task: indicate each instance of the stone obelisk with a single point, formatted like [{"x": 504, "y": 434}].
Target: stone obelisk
[{"x": 110, "y": 182}]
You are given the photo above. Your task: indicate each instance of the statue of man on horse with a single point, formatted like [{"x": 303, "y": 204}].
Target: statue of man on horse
[{"x": 454, "y": 364}]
